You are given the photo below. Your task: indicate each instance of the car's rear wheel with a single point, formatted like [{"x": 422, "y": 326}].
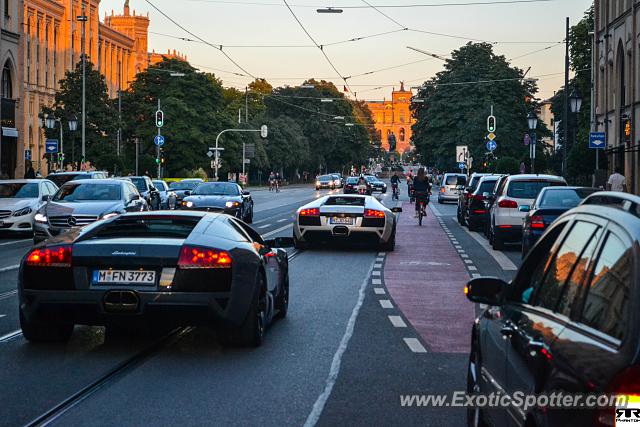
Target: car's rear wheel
[
  {"x": 249, "y": 217},
  {"x": 496, "y": 241},
  {"x": 251, "y": 332},
  {"x": 36, "y": 330},
  {"x": 282, "y": 301},
  {"x": 297, "y": 244}
]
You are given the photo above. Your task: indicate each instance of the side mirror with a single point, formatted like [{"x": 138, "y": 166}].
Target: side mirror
[
  {"x": 396, "y": 210},
  {"x": 246, "y": 193},
  {"x": 486, "y": 195},
  {"x": 459, "y": 187},
  {"x": 524, "y": 208},
  {"x": 485, "y": 290},
  {"x": 187, "y": 193},
  {"x": 468, "y": 189},
  {"x": 46, "y": 198},
  {"x": 134, "y": 197},
  {"x": 280, "y": 242}
]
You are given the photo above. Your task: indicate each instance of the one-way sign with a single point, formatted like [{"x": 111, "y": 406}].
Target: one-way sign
[
  {"x": 597, "y": 140},
  {"x": 51, "y": 146}
]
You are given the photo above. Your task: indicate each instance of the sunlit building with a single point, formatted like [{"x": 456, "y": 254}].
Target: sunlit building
[{"x": 394, "y": 117}]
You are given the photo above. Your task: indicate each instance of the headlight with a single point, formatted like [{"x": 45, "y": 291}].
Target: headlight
[
  {"x": 188, "y": 204},
  {"x": 23, "y": 211},
  {"x": 110, "y": 215},
  {"x": 232, "y": 204},
  {"x": 317, "y": 182},
  {"x": 41, "y": 218}
]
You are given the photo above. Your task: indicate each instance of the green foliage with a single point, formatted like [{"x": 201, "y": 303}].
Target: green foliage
[
  {"x": 508, "y": 165},
  {"x": 455, "y": 113}
]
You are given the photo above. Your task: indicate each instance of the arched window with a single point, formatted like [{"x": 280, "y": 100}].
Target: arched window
[
  {"x": 402, "y": 134},
  {"x": 622, "y": 84},
  {"x": 6, "y": 88}
]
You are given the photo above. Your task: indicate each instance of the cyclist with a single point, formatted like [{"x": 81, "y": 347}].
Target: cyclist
[
  {"x": 272, "y": 181},
  {"x": 421, "y": 190},
  {"x": 395, "y": 184},
  {"x": 362, "y": 185},
  {"x": 278, "y": 182},
  {"x": 410, "y": 185}
]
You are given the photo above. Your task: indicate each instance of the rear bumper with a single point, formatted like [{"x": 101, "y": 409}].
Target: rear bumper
[
  {"x": 446, "y": 197},
  {"x": 511, "y": 234}
]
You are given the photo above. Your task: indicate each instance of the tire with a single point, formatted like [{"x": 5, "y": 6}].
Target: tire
[
  {"x": 472, "y": 225},
  {"x": 390, "y": 246},
  {"x": 475, "y": 417},
  {"x": 282, "y": 300},
  {"x": 251, "y": 332},
  {"x": 497, "y": 243},
  {"x": 50, "y": 331},
  {"x": 249, "y": 218},
  {"x": 297, "y": 244}
]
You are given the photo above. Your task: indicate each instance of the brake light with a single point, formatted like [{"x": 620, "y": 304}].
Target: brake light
[
  {"x": 372, "y": 213},
  {"x": 197, "y": 257},
  {"x": 442, "y": 189},
  {"x": 50, "y": 257},
  {"x": 537, "y": 221},
  {"x": 310, "y": 212},
  {"x": 478, "y": 197},
  {"x": 479, "y": 211},
  {"x": 626, "y": 383},
  {"x": 506, "y": 203}
]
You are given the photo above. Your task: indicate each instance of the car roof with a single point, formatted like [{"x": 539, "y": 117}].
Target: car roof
[
  {"x": 531, "y": 177},
  {"x": 22, "y": 181},
  {"x": 75, "y": 173},
  {"x": 569, "y": 187},
  {"x": 95, "y": 181}
]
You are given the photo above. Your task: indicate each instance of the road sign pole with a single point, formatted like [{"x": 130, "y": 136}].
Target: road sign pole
[
  {"x": 244, "y": 152},
  {"x": 158, "y": 146}
]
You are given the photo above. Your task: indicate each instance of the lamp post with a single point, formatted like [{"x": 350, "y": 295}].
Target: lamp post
[
  {"x": 50, "y": 123},
  {"x": 83, "y": 18},
  {"x": 532, "y": 121},
  {"x": 575, "y": 104},
  {"x": 73, "y": 126}
]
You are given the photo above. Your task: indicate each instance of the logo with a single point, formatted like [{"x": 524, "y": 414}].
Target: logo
[
  {"x": 72, "y": 221},
  {"x": 119, "y": 253},
  {"x": 628, "y": 414}
]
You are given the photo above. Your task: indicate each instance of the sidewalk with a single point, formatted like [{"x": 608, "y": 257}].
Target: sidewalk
[{"x": 425, "y": 276}]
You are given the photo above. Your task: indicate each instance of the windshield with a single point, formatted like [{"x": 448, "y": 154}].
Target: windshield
[
  {"x": 148, "y": 227},
  {"x": 59, "y": 180},
  {"x": 80, "y": 192},
  {"x": 216, "y": 189},
  {"x": 189, "y": 185},
  {"x": 352, "y": 180},
  {"x": 529, "y": 189},
  {"x": 325, "y": 178},
  {"x": 160, "y": 185},
  {"x": 20, "y": 190},
  {"x": 140, "y": 183},
  {"x": 569, "y": 198}
]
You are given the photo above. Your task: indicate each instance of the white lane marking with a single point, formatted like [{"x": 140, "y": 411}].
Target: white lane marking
[
  {"x": 382, "y": 254},
  {"x": 265, "y": 226},
  {"x": 10, "y": 336},
  {"x": 375, "y": 273},
  {"x": 397, "y": 321},
  {"x": 283, "y": 220},
  {"x": 377, "y": 266},
  {"x": 415, "y": 345},
  {"x": 276, "y": 231},
  {"x": 464, "y": 255},
  {"x": 472, "y": 268},
  {"x": 474, "y": 275},
  {"x": 318, "y": 406},
  {"x": 14, "y": 242},
  {"x": 379, "y": 259},
  {"x": 10, "y": 268},
  {"x": 454, "y": 241},
  {"x": 468, "y": 261},
  {"x": 385, "y": 303},
  {"x": 458, "y": 247},
  {"x": 483, "y": 306},
  {"x": 2, "y": 315},
  {"x": 379, "y": 291},
  {"x": 435, "y": 211},
  {"x": 503, "y": 261},
  {"x": 376, "y": 282}
]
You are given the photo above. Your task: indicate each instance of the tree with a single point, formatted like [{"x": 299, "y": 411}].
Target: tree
[
  {"x": 101, "y": 117},
  {"x": 287, "y": 147},
  {"x": 458, "y": 101}
]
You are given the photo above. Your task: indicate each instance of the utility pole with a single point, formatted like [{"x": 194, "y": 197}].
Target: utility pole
[
  {"x": 246, "y": 104},
  {"x": 565, "y": 115},
  {"x": 83, "y": 19},
  {"x": 136, "y": 141},
  {"x": 119, "y": 108},
  {"x": 158, "y": 146}
]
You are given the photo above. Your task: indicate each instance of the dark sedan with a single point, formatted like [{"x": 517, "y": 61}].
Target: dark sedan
[
  {"x": 226, "y": 197},
  {"x": 185, "y": 268},
  {"x": 78, "y": 203},
  {"x": 181, "y": 187},
  {"x": 550, "y": 204},
  {"x": 376, "y": 184},
  {"x": 350, "y": 185},
  {"x": 475, "y": 212}
]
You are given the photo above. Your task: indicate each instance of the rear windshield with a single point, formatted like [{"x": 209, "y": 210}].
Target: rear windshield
[
  {"x": 486, "y": 186},
  {"x": 529, "y": 189},
  {"x": 140, "y": 183},
  {"x": 190, "y": 185},
  {"x": 455, "y": 180},
  {"x": 345, "y": 201},
  {"x": 352, "y": 180},
  {"x": 569, "y": 198},
  {"x": 61, "y": 179},
  {"x": 147, "y": 227}
]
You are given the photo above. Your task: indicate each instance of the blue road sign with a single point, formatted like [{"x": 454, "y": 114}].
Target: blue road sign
[
  {"x": 461, "y": 165},
  {"x": 51, "y": 146},
  {"x": 159, "y": 140},
  {"x": 597, "y": 140},
  {"x": 27, "y": 154},
  {"x": 492, "y": 145}
]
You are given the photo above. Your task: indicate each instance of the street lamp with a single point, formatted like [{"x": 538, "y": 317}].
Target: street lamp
[
  {"x": 329, "y": 10},
  {"x": 73, "y": 124},
  {"x": 532, "y": 121},
  {"x": 575, "y": 101}
]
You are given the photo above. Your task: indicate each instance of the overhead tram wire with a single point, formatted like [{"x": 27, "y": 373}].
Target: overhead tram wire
[
  {"x": 319, "y": 47},
  {"x": 537, "y": 51},
  {"x": 385, "y": 6},
  {"x": 219, "y": 47}
]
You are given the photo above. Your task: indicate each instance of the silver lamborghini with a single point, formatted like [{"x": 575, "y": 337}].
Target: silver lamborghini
[{"x": 348, "y": 219}]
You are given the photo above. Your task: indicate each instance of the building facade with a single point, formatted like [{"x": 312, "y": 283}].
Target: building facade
[
  {"x": 394, "y": 117},
  {"x": 51, "y": 44},
  {"x": 617, "y": 84},
  {"x": 10, "y": 78}
]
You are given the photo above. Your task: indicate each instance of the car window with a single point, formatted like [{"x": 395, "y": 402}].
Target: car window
[
  {"x": 52, "y": 188},
  {"x": 528, "y": 189},
  {"x": 451, "y": 180},
  {"x": 253, "y": 234},
  {"x": 607, "y": 303},
  {"x": 500, "y": 187},
  {"x": 486, "y": 186},
  {"x": 345, "y": 201},
  {"x": 76, "y": 192},
  {"x": 563, "y": 198},
  {"x": 562, "y": 264},
  {"x": 242, "y": 235},
  {"x": 19, "y": 190},
  {"x": 140, "y": 183},
  {"x": 216, "y": 189}
]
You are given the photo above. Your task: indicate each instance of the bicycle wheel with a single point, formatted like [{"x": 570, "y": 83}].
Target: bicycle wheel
[{"x": 420, "y": 211}]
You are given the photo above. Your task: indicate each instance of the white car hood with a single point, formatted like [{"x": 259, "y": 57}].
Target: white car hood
[{"x": 17, "y": 204}]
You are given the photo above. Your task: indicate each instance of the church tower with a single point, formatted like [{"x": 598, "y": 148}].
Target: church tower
[{"x": 135, "y": 27}]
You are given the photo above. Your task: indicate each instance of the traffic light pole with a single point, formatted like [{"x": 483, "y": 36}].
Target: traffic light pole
[
  {"x": 158, "y": 147},
  {"x": 217, "y": 149}
]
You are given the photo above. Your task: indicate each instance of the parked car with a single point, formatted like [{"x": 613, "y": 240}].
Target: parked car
[
  {"x": 168, "y": 198},
  {"x": 517, "y": 190},
  {"x": 489, "y": 200},
  {"x": 181, "y": 187},
  {"x": 475, "y": 212},
  {"x": 20, "y": 199},
  {"x": 450, "y": 187},
  {"x": 548, "y": 206},
  {"x": 464, "y": 196},
  {"x": 147, "y": 190},
  {"x": 59, "y": 178},
  {"x": 568, "y": 322}
]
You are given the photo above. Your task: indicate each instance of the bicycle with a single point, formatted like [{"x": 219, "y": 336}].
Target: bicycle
[
  {"x": 422, "y": 199},
  {"x": 396, "y": 192}
]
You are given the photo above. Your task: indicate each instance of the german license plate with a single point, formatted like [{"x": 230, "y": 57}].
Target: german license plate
[
  {"x": 135, "y": 277},
  {"x": 341, "y": 220}
]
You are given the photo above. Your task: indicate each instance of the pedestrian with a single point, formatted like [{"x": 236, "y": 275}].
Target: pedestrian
[
  {"x": 617, "y": 181},
  {"x": 29, "y": 173},
  {"x": 523, "y": 168}
]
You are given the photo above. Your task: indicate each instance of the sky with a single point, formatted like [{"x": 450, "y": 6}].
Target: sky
[{"x": 264, "y": 39}]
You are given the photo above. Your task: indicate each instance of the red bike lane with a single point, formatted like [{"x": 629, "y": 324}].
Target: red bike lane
[{"x": 425, "y": 276}]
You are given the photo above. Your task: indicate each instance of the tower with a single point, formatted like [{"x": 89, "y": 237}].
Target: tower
[{"x": 135, "y": 27}]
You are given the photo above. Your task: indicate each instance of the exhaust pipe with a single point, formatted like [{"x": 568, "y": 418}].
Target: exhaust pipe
[{"x": 340, "y": 231}]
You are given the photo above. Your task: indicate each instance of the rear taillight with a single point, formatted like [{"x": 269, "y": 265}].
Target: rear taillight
[
  {"x": 478, "y": 197},
  {"x": 479, "y": 211},
  {"x": 59, "y": 256},
  {"x": 372, "y": 213},
  {"x": 626, "y": 383},
  {"x": 537, "y": 221},
  {"x": 442, "y": 189},
  {"x": 310, "y": 212},
  {"x": 198, "y": 257},
  {"x": 506, "y": 203}
]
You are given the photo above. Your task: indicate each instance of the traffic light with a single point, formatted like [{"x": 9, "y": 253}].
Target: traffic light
[
  {"x": 491, "y": 124},
  {"x": 159, "y": 118},
  {"x": 627, "y": 128},
  {"x": 162, "y": 159}
]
